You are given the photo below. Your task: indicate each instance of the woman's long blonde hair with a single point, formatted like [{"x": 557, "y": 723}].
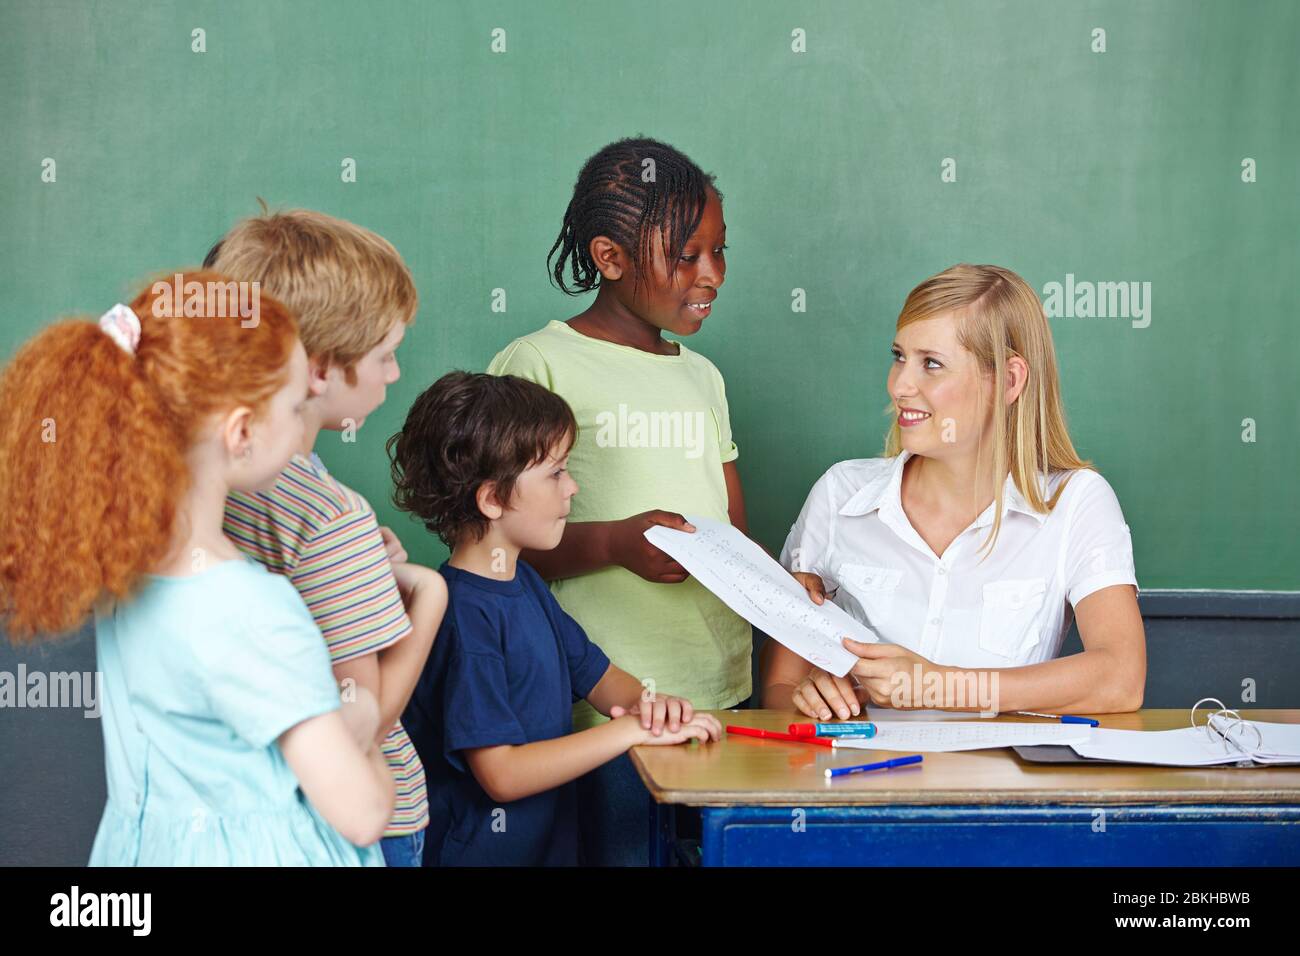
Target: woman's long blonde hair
[{"x": 998, "y": 315}]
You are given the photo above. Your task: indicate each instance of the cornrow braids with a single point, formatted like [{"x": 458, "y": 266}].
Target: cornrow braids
[{"x": 615, "y": 197}]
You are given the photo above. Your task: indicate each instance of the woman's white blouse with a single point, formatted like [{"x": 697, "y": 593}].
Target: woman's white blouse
[{"x": 1013, "y": 608}]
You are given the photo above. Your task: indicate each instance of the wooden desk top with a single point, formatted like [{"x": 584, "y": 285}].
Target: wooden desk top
[{"x": 745, "y": 771}]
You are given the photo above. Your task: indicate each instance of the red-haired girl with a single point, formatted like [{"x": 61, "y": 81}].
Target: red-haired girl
[{"x": 119, "y": 441}]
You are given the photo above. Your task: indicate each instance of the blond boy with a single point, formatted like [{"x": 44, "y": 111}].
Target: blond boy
[{"x": 354, "y": 298}]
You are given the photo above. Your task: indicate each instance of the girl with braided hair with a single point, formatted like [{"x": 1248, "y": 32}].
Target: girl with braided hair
[{"x": 644, "y": 230}]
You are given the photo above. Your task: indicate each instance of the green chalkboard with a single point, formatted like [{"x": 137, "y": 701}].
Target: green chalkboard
[{"x": 1120, "y": 156}]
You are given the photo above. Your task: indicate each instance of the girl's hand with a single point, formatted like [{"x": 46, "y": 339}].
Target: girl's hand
[
  {"x": 822, "y": 695},
  {"x": 701, "y": 727},
  {"x": 629, "y": 548},
  {"x": 393, "y": 547},
  {"x": 813, "y": 584},
  {"x": 663, "y": 711}
]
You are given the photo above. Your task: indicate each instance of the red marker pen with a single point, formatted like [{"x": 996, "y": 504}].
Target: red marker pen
[{"x": 777, "y": 735}]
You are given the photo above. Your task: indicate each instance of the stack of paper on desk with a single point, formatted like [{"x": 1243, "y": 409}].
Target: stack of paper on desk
[
  {"x": 762, "y": 592},
  {"x": 949, "y": 735},
  {"x": 1193, "y": 747}
]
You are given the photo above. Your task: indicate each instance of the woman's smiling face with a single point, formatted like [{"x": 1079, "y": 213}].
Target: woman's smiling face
[
  {"x": 679, "y": 303},
  {"x": 941, "y": 397}
]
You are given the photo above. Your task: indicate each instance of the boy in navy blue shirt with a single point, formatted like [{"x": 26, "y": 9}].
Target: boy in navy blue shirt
[{"x": 481, "y": 461}]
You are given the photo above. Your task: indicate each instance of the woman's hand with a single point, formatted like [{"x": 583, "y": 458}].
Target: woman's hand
[
  {"x": 822, "y": 695},
  {"x": 887, "y": 674},
  {"x": 813, "y": 584},
  {"x": 629, "y": 548}
]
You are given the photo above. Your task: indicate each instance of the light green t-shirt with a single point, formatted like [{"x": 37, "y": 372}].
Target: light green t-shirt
[{"x": 653, "y": 432}]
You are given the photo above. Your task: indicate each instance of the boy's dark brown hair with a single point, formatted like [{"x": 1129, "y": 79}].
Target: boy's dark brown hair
[{"x": 465, "y": 429}]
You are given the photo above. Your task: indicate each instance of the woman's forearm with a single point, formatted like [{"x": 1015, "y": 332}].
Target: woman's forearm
[
  {"x": 1090, "y": 682},
  {"x": 780, "y": 671},
  {"x": 778, "y": 696}
]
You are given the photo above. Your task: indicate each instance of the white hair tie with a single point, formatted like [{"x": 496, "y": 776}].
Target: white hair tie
[{"x": 122, "y": 326}]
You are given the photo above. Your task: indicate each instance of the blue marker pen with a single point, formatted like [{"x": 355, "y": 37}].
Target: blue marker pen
[
  {"x": 1063, "y": 718},
  {"x": 883, "y": 765},
  {"x": 849, "y": 728}
]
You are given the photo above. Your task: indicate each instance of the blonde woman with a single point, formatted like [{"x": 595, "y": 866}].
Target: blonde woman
[{"x": 972, "y": 545}]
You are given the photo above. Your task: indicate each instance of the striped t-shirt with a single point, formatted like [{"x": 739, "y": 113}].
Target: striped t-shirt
[{"x": 324, "y": 537}]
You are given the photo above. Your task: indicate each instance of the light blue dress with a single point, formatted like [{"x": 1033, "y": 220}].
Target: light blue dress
[{"x": 201, "y": 675}]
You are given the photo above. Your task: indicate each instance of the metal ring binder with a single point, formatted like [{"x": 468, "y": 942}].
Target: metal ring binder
[{"x": 1222, "y": 726}]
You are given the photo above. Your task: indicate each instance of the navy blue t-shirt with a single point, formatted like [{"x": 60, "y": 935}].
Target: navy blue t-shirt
[{"x": 506, "y": 668}]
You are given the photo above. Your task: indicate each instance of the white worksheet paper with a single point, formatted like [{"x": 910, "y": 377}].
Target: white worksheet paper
[
  {"x": 748, "y": 581},
  {"x": 893, "y": 715},
  {"x": 949, "y": 735},
  {"x": 1188, "y": 747}
]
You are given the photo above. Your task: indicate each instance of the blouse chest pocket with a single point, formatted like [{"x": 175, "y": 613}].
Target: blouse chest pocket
[
  {"x": 1009, "y": 621},
  {"x": 872, "y": 587}
]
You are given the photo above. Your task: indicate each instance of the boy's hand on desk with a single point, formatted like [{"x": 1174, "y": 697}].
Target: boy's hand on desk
[
  {"x": 813, "y": 584},
  {"x": 663, "y": 711},
  {"x": 629, "y": 548},
  {"x": 701, "y": 727},
  {"x": 392, "y": 546}
]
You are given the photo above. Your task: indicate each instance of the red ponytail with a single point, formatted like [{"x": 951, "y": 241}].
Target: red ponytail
[{"x": 93, "y": 442}]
